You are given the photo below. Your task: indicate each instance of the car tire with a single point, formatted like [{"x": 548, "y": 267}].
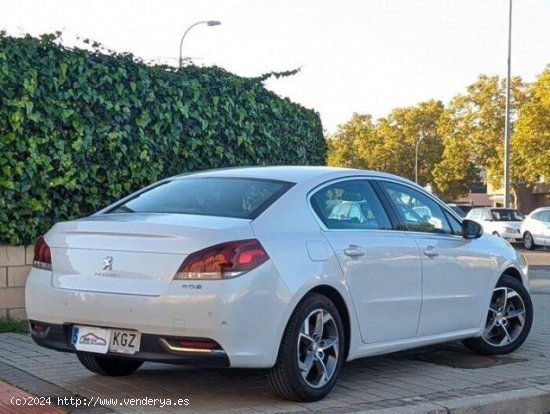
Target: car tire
[
  {"x": 509, "y": 319},
  {"x": 311, "y": 353},
  {"x": 528, "y": 241},
  {"x": 108, "y": 366}
]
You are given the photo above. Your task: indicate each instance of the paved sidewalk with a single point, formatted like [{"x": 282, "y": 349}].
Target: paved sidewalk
[
  {"x": 434, "y": 376},
  {"x": 15, "y": 401}
]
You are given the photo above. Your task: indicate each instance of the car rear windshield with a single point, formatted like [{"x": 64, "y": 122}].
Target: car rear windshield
[
  {"x": 243, "y": 198},
  {"x": 507, "y": 215}
]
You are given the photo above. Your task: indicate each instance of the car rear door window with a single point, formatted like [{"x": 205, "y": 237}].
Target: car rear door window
[
  {"x": 350, "y": 204},
  {"x": 417, "y": 211}
]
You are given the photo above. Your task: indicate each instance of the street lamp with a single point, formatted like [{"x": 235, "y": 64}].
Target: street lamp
[
  {"x": 507, "y": 118},
  {"x": 207, "y": 22},
  {"x": 421, "y": 137}
]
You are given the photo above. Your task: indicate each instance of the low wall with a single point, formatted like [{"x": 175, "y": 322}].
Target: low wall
[{"x": 15, "y": 263}]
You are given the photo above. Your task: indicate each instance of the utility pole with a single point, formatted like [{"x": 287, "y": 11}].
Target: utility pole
[
  {"x": 507, "y": 110},
  {"x": 420, "y": 138}
]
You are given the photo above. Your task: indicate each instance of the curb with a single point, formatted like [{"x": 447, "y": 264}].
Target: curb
[{"x": 533, "y": 400}]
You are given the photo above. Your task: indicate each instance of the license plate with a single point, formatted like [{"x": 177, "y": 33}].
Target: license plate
[
  {"x": 101, "y": 340},
  {"x": 124, "y": 342}
]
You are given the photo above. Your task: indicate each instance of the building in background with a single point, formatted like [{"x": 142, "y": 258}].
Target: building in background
[
  {"x": 483, "y": 194},
  {"x": 528, "y": 197},
  {"x": 477, "y": 197}
]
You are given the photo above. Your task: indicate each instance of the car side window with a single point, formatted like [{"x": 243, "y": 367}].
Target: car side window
[
  {"x": 350, "y": 204},
  {"x": 418, "y": 212},
  {"x": 456, "y": 226},
  {"x": 486, "y": 215},
  {"x": 544, "y": 216}
]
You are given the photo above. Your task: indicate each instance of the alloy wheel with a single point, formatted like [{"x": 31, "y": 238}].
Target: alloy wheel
[
  {"x": 318, "y": 348},
  {"x": 528, "y": 240},
  {"x": 506, "y": 317}
]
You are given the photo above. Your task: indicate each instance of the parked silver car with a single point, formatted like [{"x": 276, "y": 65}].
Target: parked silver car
[{"x": 535, "y": 229}]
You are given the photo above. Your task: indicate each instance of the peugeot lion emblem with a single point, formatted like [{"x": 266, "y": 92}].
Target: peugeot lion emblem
[{"x": 108, "y": 263}]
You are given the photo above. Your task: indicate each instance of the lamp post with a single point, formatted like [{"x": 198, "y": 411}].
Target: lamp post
[
  {"x": 421, "y": 137},
  {"x": 207, "y": 22},
  {"x": 507, "y": 116}
]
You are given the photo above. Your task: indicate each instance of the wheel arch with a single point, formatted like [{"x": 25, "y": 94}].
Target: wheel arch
[
  {"x": 336, "y": 298},
  {"x": 480, "y": 345},
  {"x": 512, "y": 272}
]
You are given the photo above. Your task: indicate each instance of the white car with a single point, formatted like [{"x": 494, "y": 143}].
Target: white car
[
  {"x": 500, "y": 222},
  {"x": 251, "y": 268},
  {"x": 535, "y": 229}
]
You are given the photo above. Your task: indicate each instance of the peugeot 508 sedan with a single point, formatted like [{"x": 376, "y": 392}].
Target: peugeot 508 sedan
[{"x": 251, "y": 267}]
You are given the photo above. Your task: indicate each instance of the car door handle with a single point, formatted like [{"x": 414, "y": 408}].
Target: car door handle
[
  {"x": 431, "y": 251},
  {"x": 354, "y": 251}
]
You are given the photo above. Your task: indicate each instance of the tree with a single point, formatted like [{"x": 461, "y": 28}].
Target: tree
[
  {"x": 389, "y": 145},
  {"x": 345, "y": 147},
  {"x": 397, "y": 137},
  {"x": 460, "y": 140},
  {"x": 473, "y": 131},
  {"x": 455, "y": 174},
  {"x": 531, "y": 138}
]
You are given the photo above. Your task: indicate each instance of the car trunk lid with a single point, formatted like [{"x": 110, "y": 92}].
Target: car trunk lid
[{"x": 133, "y": 253}]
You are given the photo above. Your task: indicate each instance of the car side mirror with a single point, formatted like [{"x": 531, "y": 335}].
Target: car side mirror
[{"x": 471, "y": 229}]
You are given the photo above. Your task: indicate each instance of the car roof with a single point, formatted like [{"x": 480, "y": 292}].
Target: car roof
[{"x": 293, "y": 173}]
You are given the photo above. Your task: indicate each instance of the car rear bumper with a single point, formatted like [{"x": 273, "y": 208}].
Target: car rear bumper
[
  {"x": 243, "y": 315},
  {"x": 151, "y": 349}
]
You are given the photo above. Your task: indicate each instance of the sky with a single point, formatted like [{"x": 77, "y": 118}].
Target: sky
[{"x": 364, "y": 56}]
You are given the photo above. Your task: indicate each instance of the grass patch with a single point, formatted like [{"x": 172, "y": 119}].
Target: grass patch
[{"x": 13, "y": 325}]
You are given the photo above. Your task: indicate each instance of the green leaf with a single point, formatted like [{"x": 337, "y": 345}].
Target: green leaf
[{"x": 80, "y": 129}]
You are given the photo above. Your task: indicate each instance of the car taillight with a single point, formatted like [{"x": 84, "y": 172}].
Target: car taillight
[
  {"x": 42, "y": 255},
  {"x": 223, "y": 261}
]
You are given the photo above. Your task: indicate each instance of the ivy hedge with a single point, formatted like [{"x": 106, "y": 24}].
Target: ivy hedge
[{"x": 80, "y": 129}]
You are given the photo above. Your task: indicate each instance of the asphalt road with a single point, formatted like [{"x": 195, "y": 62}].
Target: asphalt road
[{"x": 539, "y": 270}]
